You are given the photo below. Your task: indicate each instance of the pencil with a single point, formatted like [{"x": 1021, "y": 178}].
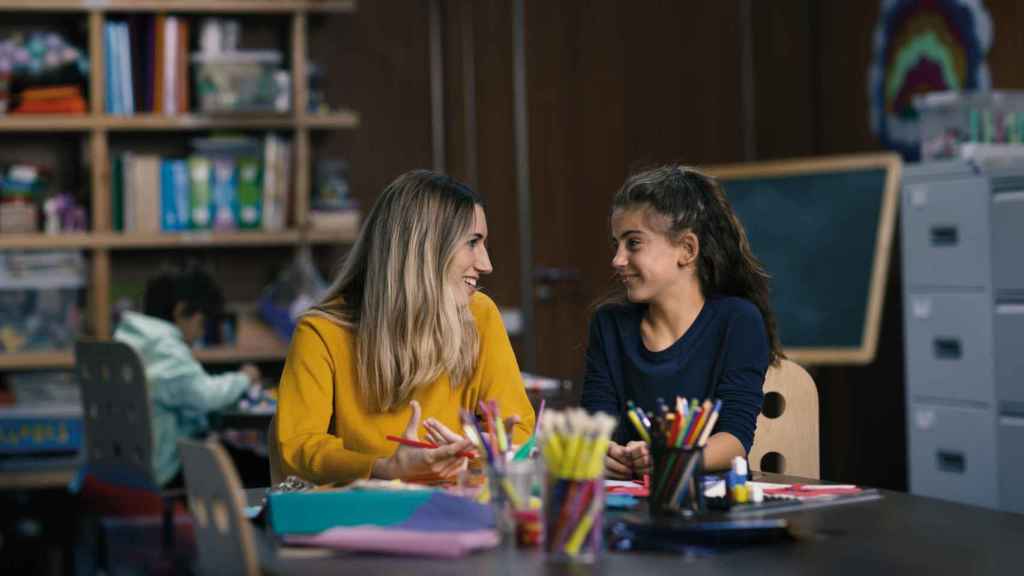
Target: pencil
[
  {"x": 710, "y": 424},
  {"x": 639, "y": 427},
  {"x": 421, "y": 444}
]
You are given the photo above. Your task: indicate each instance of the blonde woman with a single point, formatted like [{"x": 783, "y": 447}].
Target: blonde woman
[{"x": 402, "y": 334}]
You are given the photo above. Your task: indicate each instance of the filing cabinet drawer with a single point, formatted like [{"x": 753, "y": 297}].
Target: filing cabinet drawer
[
  {"x": 949, "y": 346},
  {"x": 1009, "y": 344},
  {"x": 946, "y": 233},
  {"x": 953, "y": 453},
  {"x": 1008, "y": 243},
  {"x": 1011, "y": 463}
]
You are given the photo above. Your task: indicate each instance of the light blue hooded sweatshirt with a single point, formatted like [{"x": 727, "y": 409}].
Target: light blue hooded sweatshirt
[{"x": 181, "y": 392}]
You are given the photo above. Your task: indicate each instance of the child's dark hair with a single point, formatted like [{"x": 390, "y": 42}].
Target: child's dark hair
[
  {"x": 696, "y": 202},
  {"x": 190, "y": 284}
]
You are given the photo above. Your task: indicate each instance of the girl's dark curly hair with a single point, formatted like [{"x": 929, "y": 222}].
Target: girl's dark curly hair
[{"x": 696, "y": 202}]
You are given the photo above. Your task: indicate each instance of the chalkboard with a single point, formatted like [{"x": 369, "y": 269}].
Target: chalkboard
[{"x": 823, "y": 229}]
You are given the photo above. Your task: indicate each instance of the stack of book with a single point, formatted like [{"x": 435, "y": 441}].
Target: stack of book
[
  {"x": 228, "y": 184},
  {"x": 41, "y": 73},
  {"x": 64, "y": 99}
]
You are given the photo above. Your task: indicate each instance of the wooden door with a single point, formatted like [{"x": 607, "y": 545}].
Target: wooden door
[{"x": 614, "y": 87}]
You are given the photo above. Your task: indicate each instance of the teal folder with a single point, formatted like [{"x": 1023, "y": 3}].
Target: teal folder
[{"x": 313, "y": 512}]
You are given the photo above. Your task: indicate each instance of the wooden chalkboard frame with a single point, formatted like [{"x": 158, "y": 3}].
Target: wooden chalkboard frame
[{"x": 893, "y": 165}]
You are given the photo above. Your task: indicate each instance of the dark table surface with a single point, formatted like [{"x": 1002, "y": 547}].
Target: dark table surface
[{"x": 898, "y": 533}]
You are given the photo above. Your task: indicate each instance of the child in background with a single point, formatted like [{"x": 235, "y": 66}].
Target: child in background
[
  {"x": 176, "y": 305},
  {"x": 692, "y": 318}
]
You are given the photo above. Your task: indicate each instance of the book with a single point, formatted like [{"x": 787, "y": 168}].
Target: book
[
  {"x": 117, "y": 192},
  {"x": 146, "y": 188},
  {"x": 182, "y": 192},
  {"x": 40, "y": 428},
  {"x": 200, "y": 200},
  {"x": 170, "y": 68},
  {"x": 224, "y": 188},
  {"x": 250, "y": 193},
  {"x": 276, "y": 174}
]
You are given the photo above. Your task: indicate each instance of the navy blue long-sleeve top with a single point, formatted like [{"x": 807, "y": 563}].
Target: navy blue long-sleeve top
[{"x": 724, "y": 354}]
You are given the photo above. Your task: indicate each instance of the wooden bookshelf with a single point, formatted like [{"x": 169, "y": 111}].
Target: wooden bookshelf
[
  {"x": 46, "y": 123},
  {"x": 96, "y": 129},
  {"x": 36, "y": 360},
  {"x": 116, "y": 241},
  {"x": 71, "y": 240},
  {"x": 341, "y": 120},
  {"x": 256, "y": 342},
  {"x": 21, "y": 479},
  {"x": 336, "y": 120},
  {"x": 182, "y": 6}
]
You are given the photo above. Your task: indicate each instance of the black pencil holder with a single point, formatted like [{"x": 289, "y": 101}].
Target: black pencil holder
[{"x": 676, "y": 486}]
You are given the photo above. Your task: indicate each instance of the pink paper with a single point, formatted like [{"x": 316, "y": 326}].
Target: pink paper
[{"x": 397, "y": 541}]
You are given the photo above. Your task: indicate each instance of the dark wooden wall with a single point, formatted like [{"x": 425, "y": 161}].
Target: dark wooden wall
[{"x": 613, "y": 86}]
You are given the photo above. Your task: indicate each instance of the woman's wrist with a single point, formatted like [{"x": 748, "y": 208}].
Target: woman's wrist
[{"x": 381, "y": 469}]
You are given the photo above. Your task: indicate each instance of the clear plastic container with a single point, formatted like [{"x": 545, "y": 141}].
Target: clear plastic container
[
  {"x": 39, "y": 300},
  {"x": 948, "y": 120},
  {"x": 243, "y": 81}
]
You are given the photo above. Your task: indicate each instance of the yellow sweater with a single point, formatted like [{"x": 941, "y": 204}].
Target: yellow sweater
[{"x": 325, "y": 432}]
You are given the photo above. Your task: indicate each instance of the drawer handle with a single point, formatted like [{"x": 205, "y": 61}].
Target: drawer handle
[
  {"x": 954, "y": 462},
  {"x": 944, "y": 235},
  {"x": 947, "y": 348}
]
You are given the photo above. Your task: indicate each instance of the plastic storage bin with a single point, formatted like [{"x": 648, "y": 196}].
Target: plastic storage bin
[
  {"x": 39, "y": 300},
  {"x": 949, "y": 119},
  {"x": 249, "y": 81}
]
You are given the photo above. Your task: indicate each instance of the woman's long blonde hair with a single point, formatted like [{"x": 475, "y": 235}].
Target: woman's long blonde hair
[{"x": 393, "y": 290}]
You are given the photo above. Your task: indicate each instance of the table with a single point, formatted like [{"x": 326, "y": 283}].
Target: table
[{"x": 899, "y": 533}]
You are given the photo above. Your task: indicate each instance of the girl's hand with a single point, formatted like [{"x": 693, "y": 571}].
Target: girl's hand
[
  {"x": 422, "y": 464},
  {"x": 618, "y": 463},
  {"x": 641, "y": 458},
  {"x": 253, "y": 372}
]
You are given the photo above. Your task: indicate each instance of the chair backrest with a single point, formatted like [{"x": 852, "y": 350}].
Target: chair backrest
[
  {"x": 787, "y": 439},
  {"x": 224, "y": 536},
  {"x": 116, "y": 409},
  {"x": 274, "y": 454}
]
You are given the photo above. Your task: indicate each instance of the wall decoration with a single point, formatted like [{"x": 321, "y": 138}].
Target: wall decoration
[{"x": 924, "y": 46}]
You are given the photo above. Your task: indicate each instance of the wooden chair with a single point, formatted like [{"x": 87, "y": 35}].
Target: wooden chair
[
  {"x": 274, "y": 454},
  {"x": 227, "y": 544},
  {"x": 787, "y": 439}
]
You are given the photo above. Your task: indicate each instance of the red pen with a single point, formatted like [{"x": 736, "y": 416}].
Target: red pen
[{"x": 421, "y": 444}]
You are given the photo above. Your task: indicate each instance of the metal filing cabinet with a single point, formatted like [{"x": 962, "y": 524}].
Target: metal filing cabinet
[{"x": 963, "y": 263}]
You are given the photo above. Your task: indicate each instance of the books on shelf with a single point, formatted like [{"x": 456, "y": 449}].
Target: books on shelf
[
  {"x": 146, "y": 59},
  {"x": 228, "y": 184},
  {"x": 66, "y": 99},
  {"x": 40, "y": 428}
]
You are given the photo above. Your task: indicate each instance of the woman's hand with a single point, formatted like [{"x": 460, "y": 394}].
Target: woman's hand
[
  {"x": 422, "y": 464},
  {"x": 441, "y": 435}
]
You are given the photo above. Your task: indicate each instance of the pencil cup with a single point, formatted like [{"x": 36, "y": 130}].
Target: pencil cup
[
  {"x": 675, "y": 484},
  {"x": 524, "y": 485},
  {"x": 499, "y": 492},
  {"x": 573, "y": 518}
]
